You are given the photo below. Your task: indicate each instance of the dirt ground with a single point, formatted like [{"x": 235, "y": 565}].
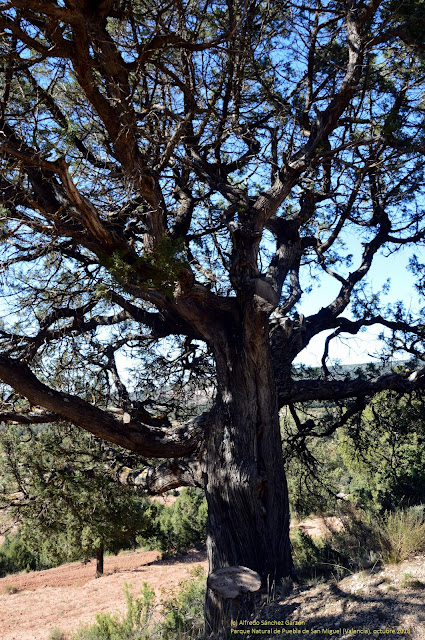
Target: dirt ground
[
  {"x": 70, "y": 595},
  {"x": 375, "y": 603},
  {"x": 319, "y": 527}
]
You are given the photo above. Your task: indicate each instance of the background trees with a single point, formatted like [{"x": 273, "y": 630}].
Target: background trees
[
  {"x": 174, "y": 179},
  {"x": 61, "y": 490},
  {"x": 374, "y": 462},
  {"x": 385, "y": 453}
]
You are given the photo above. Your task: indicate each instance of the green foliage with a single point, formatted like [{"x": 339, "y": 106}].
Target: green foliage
[
  {"x": 180, "y": 526},
  {"x": 402, "y": 533},
  {"x": 409, "y": 582},
  {"x": 378, "y": 460},
  {"x": 333, "y": 54},
  {"x": 307, "y": 553},
  {"x": 183, "y": 614},
  {"x": 168, "y": 259},
  {"x": 357, "y": 545},
  {"x": 73, "y": 498},
  {"x": 354, "y": 548},
  {"x": 161, "y": 267},
  {"x": 312, "y": 491},
  {"x": 411, "y": 15},
  {"x": 132, "y": 626},
  {"x": 364, "y": 540},
  {"x": 57, "y": 634},
  {"x": 385, "y": 453},
  {"x": 16, "y": 556},
  {"x": 71, "y": 503}
]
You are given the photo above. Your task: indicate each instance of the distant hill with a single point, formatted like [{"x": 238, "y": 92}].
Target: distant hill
[{"x": 351, "y": 371}]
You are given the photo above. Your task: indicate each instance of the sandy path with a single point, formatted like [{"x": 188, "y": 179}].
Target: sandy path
[{"x": 68, "y": 596}]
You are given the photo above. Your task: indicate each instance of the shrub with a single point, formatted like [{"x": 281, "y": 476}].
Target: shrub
[
  {"x": 410, "y": 582},
  {"x": 355, "y": 547},
  {"x": 309, "y": 491},
  {"x": 364, "y": 540},
  {"x": 182, "y": 619},
  {"x": 132, "y": 626},
  {"x": 385, "y": 453},
  {"x": 72, "y": 510},
  {"x": 10, "y": 589},
  {"x": 16, "y": 556},
  {"x": 402, "y": 533},
  {"x": 184, "y": 613},
  {"x": 57, "y": 634},
  {"x": 180, "y": 526},
  {"x": 306, "y": 552}
]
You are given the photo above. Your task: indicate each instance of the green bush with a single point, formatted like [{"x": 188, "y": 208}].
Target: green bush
[
  {"x": 316, "y": 559},
  {"x": 378, "y": 458},
  {"x": 75, "y": 505},
  {"x": 16, "y": 556},
  {"x": 364, "y": 541},
  {"x": 385, "y": 453},
  {"x": 306, "y": 552},
  {"x": 134, "y": 625},
  {"x": 355, "y": 547},
  {"x": 184, "y": 613},
  {"x": 182, "y": 617},
  {"x": 57, "y": 634},
  {"x": 180, "y": 526},
  {"x": 311, "y": 492},
  {"x": 410, "y": 582}
]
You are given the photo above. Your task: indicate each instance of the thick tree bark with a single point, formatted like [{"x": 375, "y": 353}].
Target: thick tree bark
[{"x": 244, "y": 479}]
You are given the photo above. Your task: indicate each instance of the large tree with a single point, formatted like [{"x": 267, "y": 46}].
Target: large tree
[{"x": 172, "y": 173}]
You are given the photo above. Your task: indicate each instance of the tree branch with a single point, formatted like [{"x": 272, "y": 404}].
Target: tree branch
[
  {"x": 160, "y": 478},
  {"x": 28, "y": 418},
  {"x": 132, "y": 435},
  {"x": 319, "y": 389}
]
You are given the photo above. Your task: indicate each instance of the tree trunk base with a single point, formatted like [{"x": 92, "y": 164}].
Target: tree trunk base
[
  {"x": 99, "y": 562},
  {"x": 221, "y": 615}
]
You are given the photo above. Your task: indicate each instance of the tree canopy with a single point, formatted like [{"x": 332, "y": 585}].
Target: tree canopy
[{"x": 175, "y": 176}]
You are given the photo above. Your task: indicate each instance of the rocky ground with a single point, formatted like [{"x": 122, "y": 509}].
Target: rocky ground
[{"x": 386, "y": 602}]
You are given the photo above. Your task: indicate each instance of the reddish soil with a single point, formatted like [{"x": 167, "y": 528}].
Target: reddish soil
[
  {"x": 379, "y": 600},
  {"x": 70, "y": 595},
  {"x": 165, "y": 499}
]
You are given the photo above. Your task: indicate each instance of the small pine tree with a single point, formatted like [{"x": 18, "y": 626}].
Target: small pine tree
[{"x": 64, "y": 497}]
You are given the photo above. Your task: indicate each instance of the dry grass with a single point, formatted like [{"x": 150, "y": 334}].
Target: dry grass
[
  {"x": 402, "y": 534},
  {"x": 10, "y": 589}
]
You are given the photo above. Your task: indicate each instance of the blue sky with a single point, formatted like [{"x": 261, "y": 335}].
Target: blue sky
[{"x": 363, "y": 347}]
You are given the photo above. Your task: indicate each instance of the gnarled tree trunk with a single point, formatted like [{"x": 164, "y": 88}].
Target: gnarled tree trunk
[{"x": 244, "y": 479}]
